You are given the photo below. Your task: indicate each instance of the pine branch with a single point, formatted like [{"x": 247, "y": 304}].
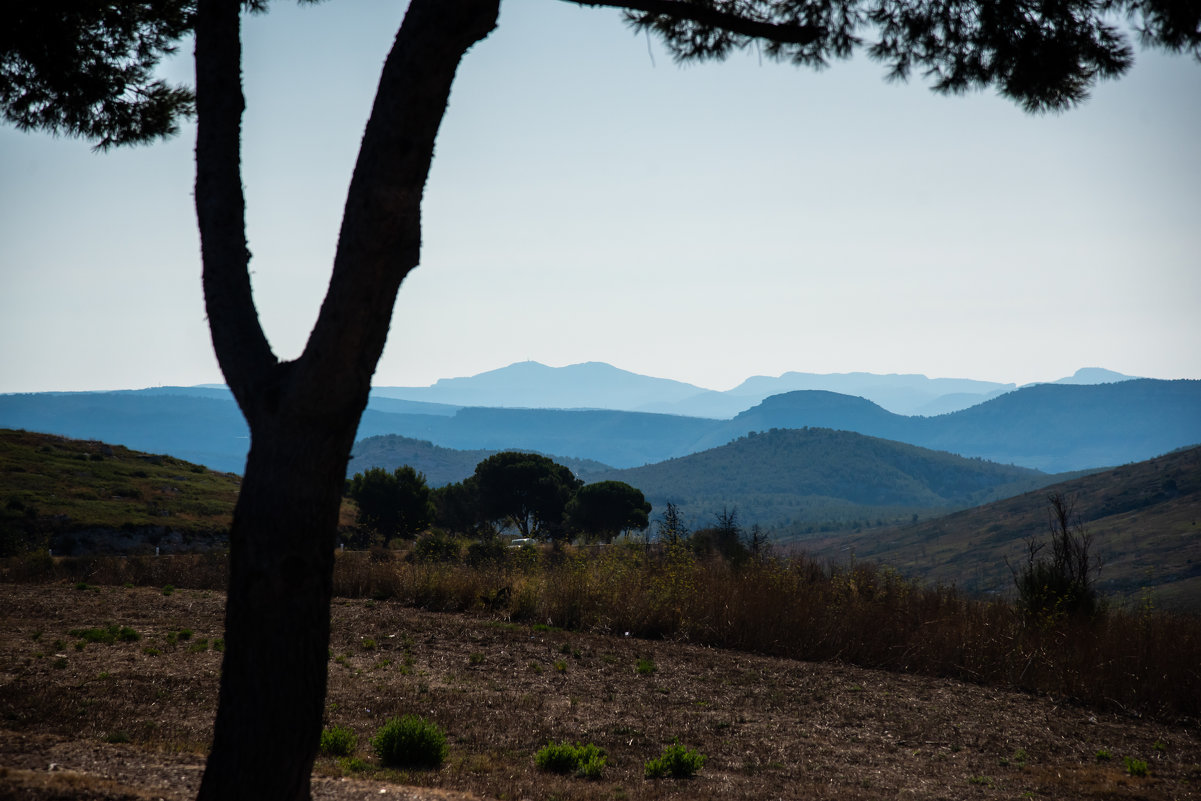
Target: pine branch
[{"x": 710, "y": 15}]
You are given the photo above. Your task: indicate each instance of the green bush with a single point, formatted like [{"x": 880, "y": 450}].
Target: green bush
[
  {"x": 436, "y": 546},
  {"x": 338, "y": 741},
  {"x": 1135, "y": 767},
  {"x": 676, "y": 762},
  {"x": 486, "y": 552},
  {"x": 410, "y": 741},
  {"x": 587, "y": 761}
]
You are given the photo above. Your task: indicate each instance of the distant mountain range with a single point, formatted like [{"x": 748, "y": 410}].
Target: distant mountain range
[
  {"x": 1050, "y": 427},
  {"x": 596, "y": 385}
]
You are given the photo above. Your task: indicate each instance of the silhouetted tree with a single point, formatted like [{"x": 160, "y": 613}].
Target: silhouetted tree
[
  {"x": 1064, "y": 583},
  {"x": 303, "y": 413},
  {"x": 671, "y": 528},
  {"x": 396, "y": 504},
  {"x": 605, "y": 509},
  {"x": 725, "y": 537},
  {"x": 457, "y": 506},
  {"x": 526, "y": 490}
]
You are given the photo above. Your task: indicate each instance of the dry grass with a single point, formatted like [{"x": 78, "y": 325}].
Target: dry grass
[
  {"x": 771, "y": 727},
  {"x": 1144, "y": 662}
]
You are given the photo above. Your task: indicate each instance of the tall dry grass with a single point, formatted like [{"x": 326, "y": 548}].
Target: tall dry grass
[{"x": 1141, "y": 661}]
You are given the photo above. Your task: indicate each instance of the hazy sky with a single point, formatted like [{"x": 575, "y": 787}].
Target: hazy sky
[{"x": 591, "y": 200}]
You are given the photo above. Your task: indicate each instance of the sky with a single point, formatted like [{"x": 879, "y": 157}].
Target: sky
[{"x": 590, "y": 200}]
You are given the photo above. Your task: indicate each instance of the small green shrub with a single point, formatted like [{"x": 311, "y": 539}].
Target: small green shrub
[
  {"x": 645, "y": 667},
  {"x": 410, "y": 741},
  {"x": 587, "y": 761},
  {"x": 338, "y": 741},
  {"x": 1135, "y": 767},
  {"x": 676, "y": 762},
  {"x": 168, "y": 590},
  {"x": 107, "y": 635},
  {"x": 1104, "y": 756}
]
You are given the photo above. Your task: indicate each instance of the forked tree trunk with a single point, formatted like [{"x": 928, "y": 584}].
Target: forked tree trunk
[{"x": 303, "y": 415}]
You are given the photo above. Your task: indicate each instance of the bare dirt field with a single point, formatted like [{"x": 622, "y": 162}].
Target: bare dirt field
[{"x": 131, "y": 719}]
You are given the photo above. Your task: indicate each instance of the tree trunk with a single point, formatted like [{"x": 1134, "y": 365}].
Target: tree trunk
[
  {"x": 273, "y": 677},
  {"x": 303, "y": 415}
]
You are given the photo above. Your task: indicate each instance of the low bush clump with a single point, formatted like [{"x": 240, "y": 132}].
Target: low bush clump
[
  {"x": 410, "y": 741},
  {"x": 338, "y": 741},
  {"x": 676, "y": 762},
  {"x": 587, "y": 761}
]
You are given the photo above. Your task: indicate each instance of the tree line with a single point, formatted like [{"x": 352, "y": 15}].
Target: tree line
[{"x": 525, "y": 493}]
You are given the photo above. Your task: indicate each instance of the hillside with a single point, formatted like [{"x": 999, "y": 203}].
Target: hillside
[
  {"x": 1145, "y": 519},
  {"x": 76, "y": 496},
  {"x": 819, "y": 477},
  {"x": 440, "y": 465}
]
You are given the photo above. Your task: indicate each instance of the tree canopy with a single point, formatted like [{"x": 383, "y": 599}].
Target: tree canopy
[
  {"x": 526, "y": 490},
  {"x": 87, "y": 69},
  {"x": 605, "y": 509},
  {"x": 396, "y": 504}
]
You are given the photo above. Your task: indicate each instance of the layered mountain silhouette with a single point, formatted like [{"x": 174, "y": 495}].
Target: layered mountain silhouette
[{"x": 1051, "y": 427}]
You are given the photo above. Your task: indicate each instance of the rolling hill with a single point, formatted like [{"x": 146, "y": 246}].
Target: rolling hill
[
  {"x": 1145, "y": 519},
  {"x": 76, "y": 496},
  {"x": 817, "y": 477}
]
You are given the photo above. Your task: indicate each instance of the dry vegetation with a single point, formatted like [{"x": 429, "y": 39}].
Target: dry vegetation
[{"x": 514, "y": 656}]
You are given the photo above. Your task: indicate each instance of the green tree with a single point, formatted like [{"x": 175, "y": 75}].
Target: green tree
[
  {"x": 606, "y": 509},
  {"x": 457, "y": 506},
  {"x": 396, "y": 504},
  {"x": 527, "y": 491},
  {"x": 303, "y": 413}
]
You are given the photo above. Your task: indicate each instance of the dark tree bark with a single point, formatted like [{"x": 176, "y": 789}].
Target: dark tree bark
[{"x": 303, "y": 415}]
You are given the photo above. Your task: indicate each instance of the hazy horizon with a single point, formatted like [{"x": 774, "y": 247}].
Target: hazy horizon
[
  {"x": 218, "y": 383},
  {"x": 592, "y": 201}
]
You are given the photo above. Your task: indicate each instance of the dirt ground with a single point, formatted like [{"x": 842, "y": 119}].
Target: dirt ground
[{"x": 131, "y": 719}]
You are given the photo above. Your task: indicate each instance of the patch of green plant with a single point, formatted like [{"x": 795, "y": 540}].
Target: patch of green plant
[
  {"x": 117, "y": 737},
  {"x": 1103, "y": 755},
  {"x": 676, "y": 762},
  {"x": 168, "y": 590},
  {"x": 587, "y": 761},
  {"x": 1135, "y": 767},
  {"x": 475, "y": 659},
  {"x": 368, "y": 644},
  {"x": 982, "y": 781},
  {"x": 106, "y": 635},
  {"x": 645, "y": 667},
  {"x": 338, "y": 741},
  {"x": 410, "y": 741},
  {"x": 560, "y": 666},
  {"x": 151, "y": 651},
  {"x": 355, "y": 765}
]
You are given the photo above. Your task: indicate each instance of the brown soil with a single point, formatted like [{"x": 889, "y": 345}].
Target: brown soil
[{"x": 130, "y": 720}]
